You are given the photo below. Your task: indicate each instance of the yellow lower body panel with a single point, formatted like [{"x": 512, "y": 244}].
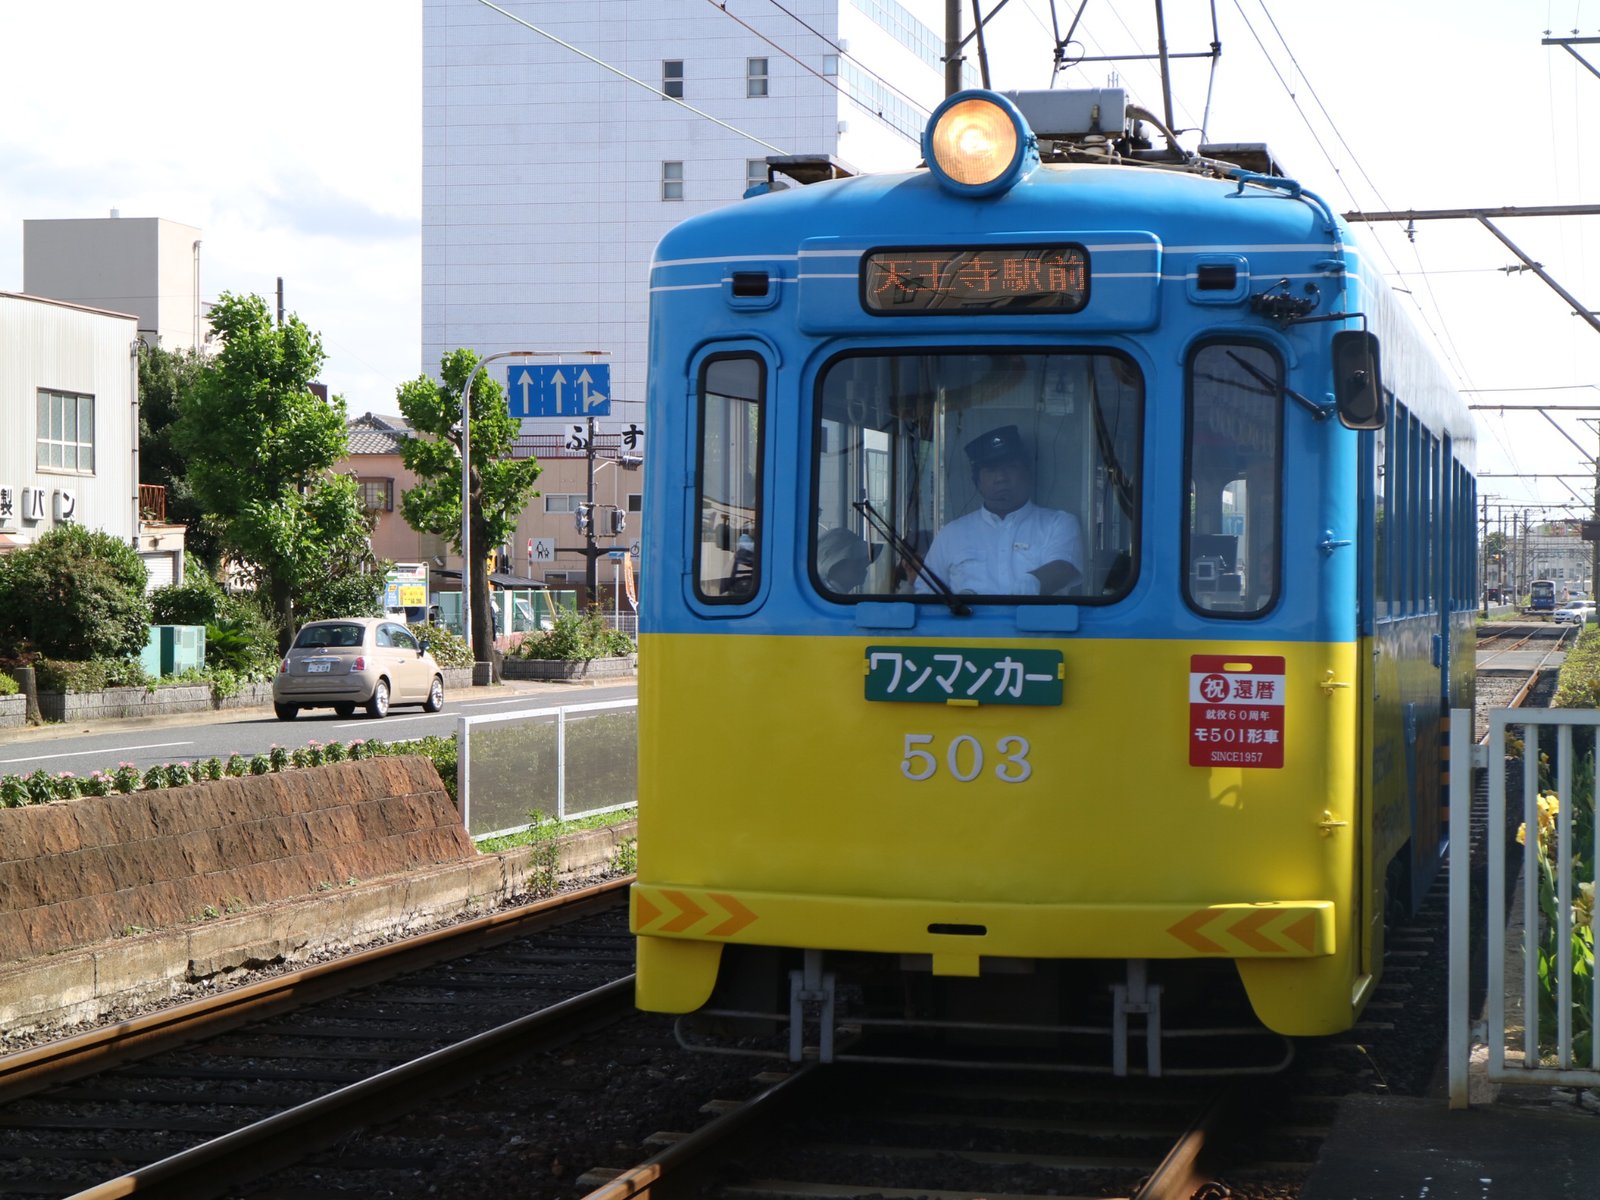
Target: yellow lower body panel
[{"x": 1287, "y": 951}]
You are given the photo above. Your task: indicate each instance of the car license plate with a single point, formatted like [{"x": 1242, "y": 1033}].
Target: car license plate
[{"x": 319, "y": 666}]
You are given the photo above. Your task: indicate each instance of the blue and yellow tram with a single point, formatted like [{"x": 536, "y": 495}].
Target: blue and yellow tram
[{"x": 1071, "y": 571}]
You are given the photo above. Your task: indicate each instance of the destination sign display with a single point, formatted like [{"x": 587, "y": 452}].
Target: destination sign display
[{"x": 994, "y": 279}]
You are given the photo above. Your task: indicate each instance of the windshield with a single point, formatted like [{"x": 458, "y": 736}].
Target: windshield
[
  {"x": 321, "y": 637},
  {"x": 1012, "y": 476}
]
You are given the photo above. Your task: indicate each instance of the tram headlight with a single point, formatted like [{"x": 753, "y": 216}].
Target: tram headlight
[{"x": 977, "y": 144}]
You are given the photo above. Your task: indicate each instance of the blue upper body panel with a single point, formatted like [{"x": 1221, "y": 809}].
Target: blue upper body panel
[{"x": 1148, "y": 234}]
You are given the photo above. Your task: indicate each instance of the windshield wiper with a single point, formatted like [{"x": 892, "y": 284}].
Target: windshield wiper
[
  {"x": 907, "y": 551},
  {"x": 1283, "y": 389}
]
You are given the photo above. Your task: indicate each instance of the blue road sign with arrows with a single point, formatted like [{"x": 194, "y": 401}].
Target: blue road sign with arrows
[{"x": 559, "y": 390}]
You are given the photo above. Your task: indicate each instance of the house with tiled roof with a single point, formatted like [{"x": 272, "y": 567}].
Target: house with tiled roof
[{"x": 546, "y": 546}]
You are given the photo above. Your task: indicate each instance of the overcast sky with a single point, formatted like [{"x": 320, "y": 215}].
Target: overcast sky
[{"x": 290, "y": 135}]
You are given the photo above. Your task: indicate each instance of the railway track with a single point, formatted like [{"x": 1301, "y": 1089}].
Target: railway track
[
  {"x": 875, "y": 1131},
  {"x": 193, "y": 1100}
]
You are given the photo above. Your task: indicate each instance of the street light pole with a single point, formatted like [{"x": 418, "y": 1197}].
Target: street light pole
[{"x": 466, "y": 490}]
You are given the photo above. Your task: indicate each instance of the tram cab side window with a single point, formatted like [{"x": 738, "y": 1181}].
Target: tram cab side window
[
  {"x": 1234, "y": 456},
  {"x": 732, "y": 430},
  {"x": 1002, "y": 477}
]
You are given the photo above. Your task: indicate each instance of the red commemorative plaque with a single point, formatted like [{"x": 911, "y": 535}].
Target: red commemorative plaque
[{"x": 1235, "y": 710}]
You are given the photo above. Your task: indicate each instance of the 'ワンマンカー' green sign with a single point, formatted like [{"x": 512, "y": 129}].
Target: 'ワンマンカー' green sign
[{"x": 963, "y": 675}]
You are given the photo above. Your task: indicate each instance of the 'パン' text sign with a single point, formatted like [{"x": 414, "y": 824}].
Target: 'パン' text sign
[
  {"x": 963, "y": 675},
  {"x": 1235, "y": 710}
]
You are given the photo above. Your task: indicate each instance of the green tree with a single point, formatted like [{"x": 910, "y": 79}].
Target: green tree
[
  {"x": 260, "y": 447},
  {"x": 500, "y": 486},
  {"x": 165, "y": 377},
  {"x": 76, "y": 594}
]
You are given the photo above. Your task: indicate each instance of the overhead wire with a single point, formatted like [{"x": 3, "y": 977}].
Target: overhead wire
[
  {"x": 721, "y": 6},
  {"x": 618, "y": 71},
  {"x": 1444, "y": 339}
]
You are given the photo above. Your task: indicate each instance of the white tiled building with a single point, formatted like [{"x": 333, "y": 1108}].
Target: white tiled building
[
  {"x": 67, "y": 404},
  {"x": 548, "y": 179}
]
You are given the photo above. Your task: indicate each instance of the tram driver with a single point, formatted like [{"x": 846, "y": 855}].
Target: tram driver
[{"x": 1010, "y": 546}]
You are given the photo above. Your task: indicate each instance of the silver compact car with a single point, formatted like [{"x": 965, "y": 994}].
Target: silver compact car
[
  {"x": 351, "y": 662},
  {"x": 1575, "y": 613}
]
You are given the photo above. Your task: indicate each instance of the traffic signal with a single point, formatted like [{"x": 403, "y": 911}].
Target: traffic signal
[
  {"x": 585, "y": 518},
  {"x": 619, "y": 520}
]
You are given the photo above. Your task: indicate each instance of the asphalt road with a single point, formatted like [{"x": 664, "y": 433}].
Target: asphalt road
[{"x": 85, "y": 747}]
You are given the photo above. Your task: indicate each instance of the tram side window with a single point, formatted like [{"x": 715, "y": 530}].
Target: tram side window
[
  {"x": 728, "y": 548},
  {"x": 1235, "y": 454},
  {"x": 1436, "y": 520},
  {"x": 1383, "y": 516}
]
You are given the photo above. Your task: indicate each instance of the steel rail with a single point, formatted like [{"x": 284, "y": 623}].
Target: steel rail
[
  {"x": 274, "y": 1142},
  {"x": 1188, "y": 1166},
  {"x": 71, "y": 1058},
  {"x": 680, "y": 1169}
]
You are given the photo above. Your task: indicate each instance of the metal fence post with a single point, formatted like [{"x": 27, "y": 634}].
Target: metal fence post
[
  {"x": 1460, "y": 1020},
  {"x": 561, "y": 763},
  {"x": 463, "y": 775}
]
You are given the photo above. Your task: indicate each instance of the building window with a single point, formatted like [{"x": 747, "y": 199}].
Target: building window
[
  {"x": 635, "y": 502},
  {"x": 755, "y": 77},
  {"x": 830, "y": 64},
  {"x": 563, "y": 502},
  {"x": 66, "y": 431},
  {"x": 672, "y": 77},
  {"x": 755, "y": 172},
  {"x": 672, "y": 181},
  {"x": 377, "y": 495}
]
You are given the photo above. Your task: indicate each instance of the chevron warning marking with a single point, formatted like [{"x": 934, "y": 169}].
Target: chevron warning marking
[
  {"x": 1248, "y": 931},
  {"x": 1188, "y": 932},
  {"x": 738, "y": 916},
  {"x": 688, "y": 913},
  {"x": 1303, "y": 933},
  {"x": 643, "y": 911}
]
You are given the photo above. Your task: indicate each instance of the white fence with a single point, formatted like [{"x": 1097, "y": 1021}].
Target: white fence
[
  {"x": 1546, "y": 1054},
  {"x": 570, "y": 760}
]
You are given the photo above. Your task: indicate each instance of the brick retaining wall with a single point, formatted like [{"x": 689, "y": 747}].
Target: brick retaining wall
[
  {"x": 83, "y": 871},
  {"x": 13, "y": 711}
]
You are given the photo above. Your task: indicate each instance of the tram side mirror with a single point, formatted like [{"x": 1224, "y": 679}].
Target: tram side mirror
[{"x": 1358, "y": 380}]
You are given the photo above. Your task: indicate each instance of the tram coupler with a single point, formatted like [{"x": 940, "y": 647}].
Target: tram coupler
[
  {"x": 1140, "y": 997},
  {"x": 811, "y": 990}
]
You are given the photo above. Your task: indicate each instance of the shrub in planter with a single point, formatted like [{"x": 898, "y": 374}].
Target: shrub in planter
[
  {"x": 8, "y": 685},
  {"x": 575, "y": 638},
  {"x": 92, "y": 675}
]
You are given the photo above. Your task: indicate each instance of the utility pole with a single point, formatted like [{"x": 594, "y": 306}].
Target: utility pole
[
  {"x": 591, "y": 584},
  {"x": 952, "y": 47},
  {"x": 1483, "y": 558}
]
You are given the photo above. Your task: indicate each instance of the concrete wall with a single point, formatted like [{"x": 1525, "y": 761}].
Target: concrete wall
[{"x": 147, "y": 266}]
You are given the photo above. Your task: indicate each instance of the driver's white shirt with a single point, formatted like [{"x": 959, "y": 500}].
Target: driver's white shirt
[{"x": 987, "y": 555}]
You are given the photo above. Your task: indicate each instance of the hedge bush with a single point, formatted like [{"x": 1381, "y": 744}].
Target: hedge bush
[
  {"x": 75, "y": 593},
  {"x": 449, "y": 648},
  {"x": 1579, "y": 685},
  {"x": 8, "y": 685}
]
